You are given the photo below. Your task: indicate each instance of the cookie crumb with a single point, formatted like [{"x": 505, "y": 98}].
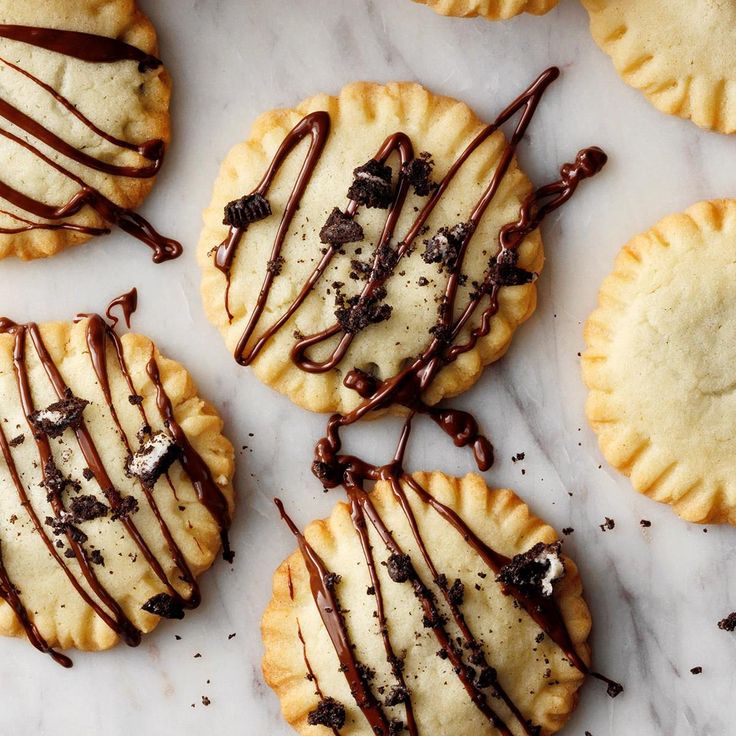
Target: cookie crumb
[
  {"x": 728, "y": 623},
  {"x": 645, "y": 523},
  {"x": 419, "y": 173},
  {"x": 371, "y": 185},
  {"x": 607, "y": 525},
  {"x": 248, "y": 209},
  {"x": 165, "y": 606},
  {"x": 340, "y": 229},
  {"x": 534, "y": 572},
  {"x": 59, "y": 416},
  {"x": 329, "y": 713},
  {"x": 696, "y": 670}
]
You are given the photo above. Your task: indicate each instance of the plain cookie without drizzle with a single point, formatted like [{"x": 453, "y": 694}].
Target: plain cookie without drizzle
[
  {"x": 491, "y": 9},
  {"x": 678, "y": 53},
  {"x": 660, "y": 362},
  {"x": 395, "y": 329},
  {"x": 116, "y": 485},
  {"x": 100, "y": 111},
  {"x": 456, "y": 636}
]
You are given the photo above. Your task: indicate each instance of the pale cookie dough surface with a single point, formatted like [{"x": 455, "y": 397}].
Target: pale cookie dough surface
[
  {"x": 680, "y": 54},
  {"x": 61, "y": 615},
  {"x": 363, "y": 116},
  {"x": 119, "y": 99},
  {"x": 660, "y": 362},
  {"x": 492, "y": 9},
  {"x": 530, "y": 668}
]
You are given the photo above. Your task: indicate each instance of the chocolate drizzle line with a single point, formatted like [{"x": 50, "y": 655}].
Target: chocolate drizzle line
[
  {"x": 100, "y": 337},
  {"x": 93, "y": 49},
  {"x": 405, "y": 389}
]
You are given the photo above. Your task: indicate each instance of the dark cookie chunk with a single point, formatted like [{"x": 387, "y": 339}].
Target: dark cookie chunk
[
  {"x": 419, "y": 173},
  {"x": 508, "y": 274},
  {"x": 332, "y": 580},
  {"x": 533, "y": 572},
  {"x": 728, "y": 623},
  {"x": 242, "y": 212},
  {"x": 86, "y": 508},
  {"x": 165, "y": 606},
  {"x": 456, "y": 593},
  {"x": 328, "y": 713},
  {"x": 63, "y": 524},
  {"x": 135, "y": 400},
  {"x": 124, "y": 507},
  {"x": 97, "y": 558},
  {"x": 486, "y": 677},
  {"x": 444, "y": 247},
  {"x": 400, "y": 568},
  {"x": 340, "y": 229},
  {"x": 275, "y": 265},
  {"x": 397, "y": 695},
  {"x": 59, "y": 416},
  {"x": 371, "y": 186},
  {"x": 355, "y": 314},
  {"x": 154, "y": 457},
  {"x": 16, "y": 441}
]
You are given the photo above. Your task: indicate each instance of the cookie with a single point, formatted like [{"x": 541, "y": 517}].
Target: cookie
[
  {"x": 491, "y": 9},
  {"x": 373, "y": 236},
  {"x": 677, "y": 53},
  {"x": 117, "y": 485},
  {"x": 429, "y": 605},
  {"x": 84, "y": 104},
  {"x": 659, "y": 362}
]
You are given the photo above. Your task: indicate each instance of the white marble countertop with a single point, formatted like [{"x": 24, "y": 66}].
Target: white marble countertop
[{"x": 656, "y": 594}]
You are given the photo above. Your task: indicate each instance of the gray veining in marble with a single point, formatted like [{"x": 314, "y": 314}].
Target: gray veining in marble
[{"x": 656, "y": 593}]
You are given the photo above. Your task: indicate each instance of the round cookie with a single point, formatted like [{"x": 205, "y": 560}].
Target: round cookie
[
  {"x": 117, "y": 486},
  {"x": 84, "y": 124},
  {"x": 678, "y": 53},
  {"x": 423, "y": 634},
  {"x": 491, "y": 9},
  {"x": 396, "y": 323},
  {"x": 659, "y": 362}
]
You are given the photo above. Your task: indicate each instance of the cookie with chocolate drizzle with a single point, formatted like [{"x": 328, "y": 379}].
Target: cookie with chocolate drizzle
[
  {"x": 427, "y": 604},
  {"x": 116, "y": 480},
  {"x": 78, "y": 158},
  {"x": 409, "y": 612},
  {"x": 352, "y": 232}
]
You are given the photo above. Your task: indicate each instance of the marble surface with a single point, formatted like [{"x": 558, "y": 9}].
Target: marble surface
[{"x": 656, "y": 594}]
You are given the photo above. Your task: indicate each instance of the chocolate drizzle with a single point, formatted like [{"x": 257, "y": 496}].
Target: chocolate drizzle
[
  {"x": 405, "y": 389},
  {"x": 92, "y": 49},
  {"x": 102, "y": 341}
]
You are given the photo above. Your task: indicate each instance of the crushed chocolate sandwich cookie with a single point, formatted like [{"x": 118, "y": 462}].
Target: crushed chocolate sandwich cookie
[
  {"x": 527, "y": 579},
  {"x": 93, "y": 182},
  {"x": 408, "y": 281},
  {"x": 109, "y": 503}
]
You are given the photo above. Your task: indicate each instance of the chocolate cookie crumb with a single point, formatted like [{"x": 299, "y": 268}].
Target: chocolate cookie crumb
[
  {"x": 607, "y": 524},
  {"x": 97, "y": 558},
  {"x": 568, "y": 530},
  {"x": 696, "y": 670},
  {"x": 275, "y": 265},
  {"x": 126, "y": 506},
  {"x": 397, "y": 695},
  {"x": 242, "y": 212},
  {"x": 19, "y": 440},
  {"x": 87, "y": 474},
  {"x": 165, "y": 606},
  {"x": 444, "y": 247},
  {"x": 400, "y": 568},
  {"x": 419, "y": 173},
  {"x": 340, "y": 229},
  {"x": 534, "y": 572},
  {"x": 355, "y": 315},
  {"x": 154, "y": 457},
  {"x": 135, "y": 400},
  {"x": 59, "y": 416},
  {"x": 456, "y": 593},
  {"x": 614, "y": 689},
  {"x": 645, "y": 523},
  {"x": 332, "y": 580},
  {"x": 506, "y": 274},
  {"x": 371, "y": 185},
  {"x": 728, "y": 623},
  {"x": 87, "y": 508},
  {"x": 329, "y": 713},
  {"x": 205, "y": 700}
]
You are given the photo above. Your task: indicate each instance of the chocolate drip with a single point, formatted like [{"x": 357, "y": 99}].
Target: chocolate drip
[
  {"x": 332, "y": 618},
  {"x": 8, "y": 591},
  {"x": 207, "y": 491},
  {"x": 97, "y": 49},
  {"x": 100, "y": 338},
  {"x": 407, "y": 387},
  {"x": 98, "y": 335}
]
